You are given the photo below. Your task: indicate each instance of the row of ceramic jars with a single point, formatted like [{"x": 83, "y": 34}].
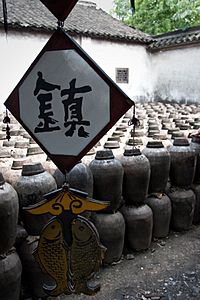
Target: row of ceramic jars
[
  {"x": 30, "y": 186},
  {"x": 10, "y": 264}
]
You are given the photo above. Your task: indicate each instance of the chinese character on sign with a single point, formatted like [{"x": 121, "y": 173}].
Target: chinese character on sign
[
  {"x": 45, "y": 106},
  {"x": 72, "y": 107}
]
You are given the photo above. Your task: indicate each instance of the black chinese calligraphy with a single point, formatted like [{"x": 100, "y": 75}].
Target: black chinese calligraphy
[
  {"x": 73, "y": 109},
  {"x": 72, "y": 106},
  {"x": 47, "y": 122}
]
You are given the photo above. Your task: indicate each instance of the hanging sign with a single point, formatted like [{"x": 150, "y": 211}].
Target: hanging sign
[
  {"x": 66, "y": 102},
  {"x": 60, "y": 8}
]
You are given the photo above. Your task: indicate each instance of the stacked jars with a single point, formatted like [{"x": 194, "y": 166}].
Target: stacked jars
[
  {"x": 159, "y": 159},
  {"x": 108, "y": 176},
  {"x": 138, "y": 216},
  {"x": 182, "y": 171},
  {"x": 33, "y": 183},
  {"x": 10, "y": 265}
]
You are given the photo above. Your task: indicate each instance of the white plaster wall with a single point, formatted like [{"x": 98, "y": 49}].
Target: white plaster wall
[
  {"x": 176, "y": 74},
  {"x": 111, "y": 55},
  {"x": 19, "y": 50}
]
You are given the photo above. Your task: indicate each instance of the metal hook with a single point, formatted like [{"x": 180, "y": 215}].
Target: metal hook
[{"x": 60, "y": 24}]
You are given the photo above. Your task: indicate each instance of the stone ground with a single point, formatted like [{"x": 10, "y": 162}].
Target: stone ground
[{"x": 169, "y": 270}]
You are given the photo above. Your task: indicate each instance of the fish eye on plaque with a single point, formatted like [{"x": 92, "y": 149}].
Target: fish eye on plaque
[
  {"x": 81, "y": 228},
  {"x": 53, "y": 226}
]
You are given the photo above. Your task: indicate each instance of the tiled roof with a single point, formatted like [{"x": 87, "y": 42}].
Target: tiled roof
[
  {"x": 84, "y": 19},
  {"x": 175, "y": 39}
]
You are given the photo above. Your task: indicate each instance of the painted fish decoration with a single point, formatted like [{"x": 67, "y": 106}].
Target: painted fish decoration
[
  {"x": 52, "y": 257},
  {"x": 86, "y": 256}
]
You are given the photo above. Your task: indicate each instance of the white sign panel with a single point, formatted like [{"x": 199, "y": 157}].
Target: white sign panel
[{"x": 64, "y": 102}]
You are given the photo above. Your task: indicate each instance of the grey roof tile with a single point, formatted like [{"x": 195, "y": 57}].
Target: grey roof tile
[
  {"x": 84, "y": 19},
  {"x": 176, "y": 38}
]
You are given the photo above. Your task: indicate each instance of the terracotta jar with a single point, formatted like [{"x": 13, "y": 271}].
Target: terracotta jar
[
  {"x": 136, "y": 176},
  {"x": 161, "y": 208},
  {"x": 183, "y": 204},
  {"x": 159, "y": 159},
  {"x": 10, "y": 276},
  {"x": 34, "y": 278},
  {"x": 81, "y": 178},
  {"x": 33, "y": 183},
  {"x": 139, "y": 225},
  {"x": 9, "y": 209},
  {"x": 111, "y": 229},
  {"x": 51, "y": 168},
  {"x": 183, "y": 163},
  {"x": 12, "y": 175},
  {"x": 108, "y": 178}
]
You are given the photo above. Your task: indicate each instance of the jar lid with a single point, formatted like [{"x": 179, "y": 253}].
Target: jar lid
[
  {"x": 32, "y": 169},
  {"x": 112, "y": 145},
  {"x": 113, "y": 138},
  {"x": 122, "y": 128},
  {"x": 21, "y": 144},
  {"x": 5, "y": 152},
  {"x": 181, "y": 142},
  {"x": 132, "y": 152},
  {"x": 139, "y": 133},
  {"x": 104, "y": 154},
  {"x": 14, "y": 132},
  {"x": 2, "y": 136},
  {"x": 160, "y": 136},
  {"x": 8, "y": 143},
  {"x": 18, "y": 163},
  {"x": 177, "y": 134},
  {"x": 172, "y": 130},
  {"x": 155, "y": 144},
  {"x": 135, "y": 141},
  {"x": 118, "y": 133},
  {"x": 184, "y": 127},
  {"x": 34, "y": 150}
]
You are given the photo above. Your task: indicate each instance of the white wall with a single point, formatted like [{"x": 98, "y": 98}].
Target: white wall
[
  {"x": 168, "y": 75},
  {"x": 111, "y": 55},
  {"x": 19, "y": 50},
  {"x": 177, "y": 74}
]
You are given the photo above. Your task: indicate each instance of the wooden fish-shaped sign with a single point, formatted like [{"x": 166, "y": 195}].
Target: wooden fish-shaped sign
[
  {"x": 52, "y": 257},
  {"x": 86, "y": 255},
  {"x": 70, "y": 267},
  {"x": 69, "y": 248}
]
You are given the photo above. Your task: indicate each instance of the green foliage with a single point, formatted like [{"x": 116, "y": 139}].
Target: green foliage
[{"x": 159, "y": 16}]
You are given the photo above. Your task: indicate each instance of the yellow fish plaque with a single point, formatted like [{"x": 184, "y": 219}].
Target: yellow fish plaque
[
  {"x": 70, "y": 267},
  {"x": 69, "y": 248}
]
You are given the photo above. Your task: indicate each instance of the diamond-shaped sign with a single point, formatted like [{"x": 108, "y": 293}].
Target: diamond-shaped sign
[
  {"x": 60, "y": 8},
  {"x": 66, "y": 102}
]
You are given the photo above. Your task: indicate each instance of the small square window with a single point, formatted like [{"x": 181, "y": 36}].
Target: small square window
[{"x": 122, "y": 75}]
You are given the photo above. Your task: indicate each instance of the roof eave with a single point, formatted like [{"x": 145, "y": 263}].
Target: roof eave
[
  {"x": 173, "y": 47},
  {"x": 47, "y": 30}
]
